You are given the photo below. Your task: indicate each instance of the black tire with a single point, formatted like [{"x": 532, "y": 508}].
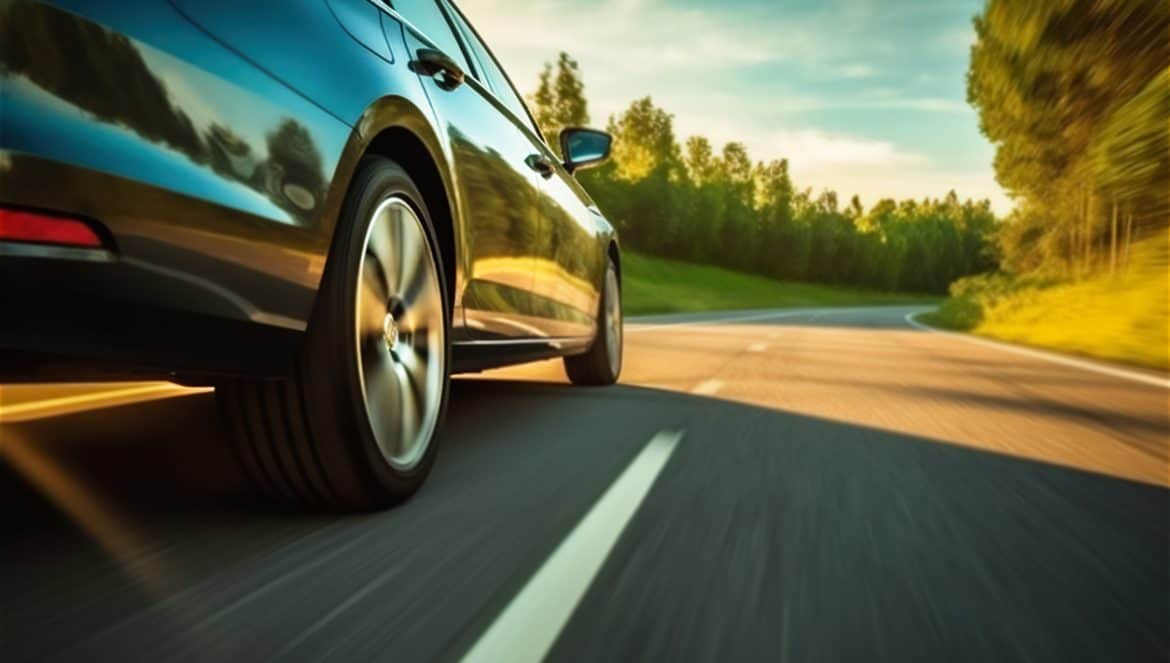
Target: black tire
[
  {"x": 601, "y": 365},
  {"x": 311, "y": 438}
]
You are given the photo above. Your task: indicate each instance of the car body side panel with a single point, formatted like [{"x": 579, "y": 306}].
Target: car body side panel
[
  {"x": 352, "y": 79},
  {"x": 579, "y": 239},
  {"x": 500, "y": 203},
  {"x": 302, "y": 44},
  {"x": 363, "y": 21}
]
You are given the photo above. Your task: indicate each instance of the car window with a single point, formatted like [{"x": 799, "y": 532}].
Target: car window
[
  {"x": 496, "y": 79},
  {"x": 429, "y": 18}
]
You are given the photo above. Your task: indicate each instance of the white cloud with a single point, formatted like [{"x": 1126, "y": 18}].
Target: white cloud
[
  {"x": 810, "y": 149},
  {"x": 929, "y": 104},
  {"x": 958, "y": 40},
  {"x": 629, "y": 43},
  {"x": 857, "y": 71}
]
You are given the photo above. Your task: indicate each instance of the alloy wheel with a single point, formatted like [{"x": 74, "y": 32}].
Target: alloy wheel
[{"x": 400, "y": 334}]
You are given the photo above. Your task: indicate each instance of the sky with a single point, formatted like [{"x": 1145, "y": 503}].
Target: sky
[{"x": 865, "y": 97}]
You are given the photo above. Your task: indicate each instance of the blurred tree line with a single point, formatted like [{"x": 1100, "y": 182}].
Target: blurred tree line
[
  {"x": 1075, "y": 94},
  {"x": 699, "y": 203}
]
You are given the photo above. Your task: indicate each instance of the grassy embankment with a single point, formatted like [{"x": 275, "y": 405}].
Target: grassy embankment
[
  {"x": 1121, "y": 318},
  {"x": 655, "y": 285}
]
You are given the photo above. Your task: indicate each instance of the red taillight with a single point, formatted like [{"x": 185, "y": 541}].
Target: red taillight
[{"x": 22, "y": 226}]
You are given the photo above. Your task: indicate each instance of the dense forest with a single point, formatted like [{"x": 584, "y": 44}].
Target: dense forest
[
  {"x": 1075, "y": 94},
  {"x": 717, "y": 206}
]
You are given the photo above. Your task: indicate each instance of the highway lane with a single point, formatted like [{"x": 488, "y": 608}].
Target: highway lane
[{"x": 842, "y": 486}]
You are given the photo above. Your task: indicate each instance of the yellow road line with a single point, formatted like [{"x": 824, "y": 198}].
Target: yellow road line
[{"x": 52, "y": 407}]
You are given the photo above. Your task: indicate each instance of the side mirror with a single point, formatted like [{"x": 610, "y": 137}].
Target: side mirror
[{"x": 584, "y": 148}]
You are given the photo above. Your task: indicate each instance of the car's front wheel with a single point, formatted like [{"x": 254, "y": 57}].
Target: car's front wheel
[
  {"x": 602, "y": 364},
  {"x": 354, "y": 426}
]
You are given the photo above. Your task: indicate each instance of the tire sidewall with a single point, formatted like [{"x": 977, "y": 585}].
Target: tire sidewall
[
  {"x": 378, "y": 180},
  {"x": 611, "y": 268}
]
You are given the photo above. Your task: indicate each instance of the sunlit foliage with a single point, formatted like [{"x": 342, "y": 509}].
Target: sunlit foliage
[
  {"x": 716, "y": 206},
  {"x": 1075, "y": 94},
  {"x": 1121, "y": 317}
]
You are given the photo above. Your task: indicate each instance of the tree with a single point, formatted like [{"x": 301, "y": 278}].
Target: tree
[
  {"x": 646, "y": 171},
  {"x": 1053, "y": 81},
  {"x": 559, "y": 101},
  {"x": 543, "y": 105}
]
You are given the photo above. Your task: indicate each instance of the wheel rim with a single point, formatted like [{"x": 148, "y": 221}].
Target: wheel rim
[
  {"x": 401, "y": 342},
  {"x": 613, "y": 321}
]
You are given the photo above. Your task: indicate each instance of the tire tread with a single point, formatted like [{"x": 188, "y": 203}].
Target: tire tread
[
  {"x": 296, "y": 437},
  {"x": 592, "y": 368}
]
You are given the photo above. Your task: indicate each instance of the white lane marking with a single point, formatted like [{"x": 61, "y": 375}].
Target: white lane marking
[
  {"x": 1046, "y": 356},
  {"x": 530, "y": 624},
  {"x": 708, "y": 387},
  {"x": 757, "y": 347},
  {"x": 52, "y": 407}
]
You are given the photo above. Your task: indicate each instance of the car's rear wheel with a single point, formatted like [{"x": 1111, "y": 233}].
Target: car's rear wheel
[
  {"x": 602, "y": 364},
  {"x": 354, "y": 426}
]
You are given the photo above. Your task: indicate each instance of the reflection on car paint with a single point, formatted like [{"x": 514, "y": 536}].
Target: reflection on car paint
[{"x": 123, "y": 104}]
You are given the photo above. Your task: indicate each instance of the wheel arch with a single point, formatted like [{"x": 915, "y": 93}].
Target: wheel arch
[
  {"x": 395, "y": 128},
  {"x": 408, "y": 151},
  {"x": 615, "y": 253}
]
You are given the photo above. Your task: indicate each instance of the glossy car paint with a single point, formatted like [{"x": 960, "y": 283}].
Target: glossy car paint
[{"x": 214, "y": 140}]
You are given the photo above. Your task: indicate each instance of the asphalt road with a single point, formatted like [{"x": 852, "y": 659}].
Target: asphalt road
[{"x": 801, "y": 485}]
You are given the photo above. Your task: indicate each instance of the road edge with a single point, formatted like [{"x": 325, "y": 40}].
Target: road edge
[{"x": 1046, "y": 355}]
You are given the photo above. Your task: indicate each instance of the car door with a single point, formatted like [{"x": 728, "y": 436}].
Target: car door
[
  {"x": 498, "y": 190},
  {"x": 574, "y": 275},
  {"x": 564, "y": 251}
]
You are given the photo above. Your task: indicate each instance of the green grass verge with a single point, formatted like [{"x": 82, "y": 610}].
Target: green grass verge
[
  {"x": 1120, "y": 318},
  {"x": 656, "y": 285}
]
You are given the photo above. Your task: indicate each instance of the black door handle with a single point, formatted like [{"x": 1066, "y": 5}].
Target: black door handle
[
  {"x": 436, "y": 63},
  {"x": 541, "y": 165}
]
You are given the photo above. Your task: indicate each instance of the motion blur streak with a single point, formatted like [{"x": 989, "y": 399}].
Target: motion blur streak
[
  {"x": 531, "y": 623},
  {"x": 85, "y": 507},
  {"x": 91, "y": 400}
]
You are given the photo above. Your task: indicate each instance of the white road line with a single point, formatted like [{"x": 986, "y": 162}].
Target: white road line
[
  {"x": 529, "y": 625},
  {"x": 52, "y": 407},
  {"x": 1046, "y": 356},
  {"x": 757, "y": 347},
  {"x": 708, "y": 387}
]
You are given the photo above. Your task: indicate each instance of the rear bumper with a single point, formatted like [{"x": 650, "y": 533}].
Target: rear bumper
[
  {"x": 71, "y": 314},
  {"x": 164, "y": 295}
]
